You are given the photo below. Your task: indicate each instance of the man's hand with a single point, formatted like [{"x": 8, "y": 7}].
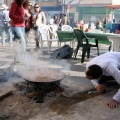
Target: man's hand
[
  {"x": 112, "y": 104},
  {"x": 100, "y": 88}
]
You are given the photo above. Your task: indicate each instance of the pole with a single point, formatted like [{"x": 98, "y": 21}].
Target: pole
[
  {"x": 5, "y": 2},
  {"x": 64, "y": 6},
  {"x": 68, "y": 10}
]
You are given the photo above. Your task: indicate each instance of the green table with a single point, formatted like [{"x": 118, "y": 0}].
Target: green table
[
  {"x": 102, "y": 37},
  {"x": 65, "y": 36}
]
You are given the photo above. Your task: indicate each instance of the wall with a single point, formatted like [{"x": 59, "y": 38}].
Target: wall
[
  {"x": 1, "y": 1},
  {"x": 78, "y": 14},
  {"x": 89, "y": 1},
  {"x": 42, "y": 3},
  {"x": 7, "y": 2},
  {"x": 96, "y": 2}
]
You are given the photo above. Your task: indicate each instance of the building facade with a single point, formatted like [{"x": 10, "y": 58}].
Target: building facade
[
  {"x": 89, "y": 10},
  {"x": 7, "y": 2},
  {"x": 76, "y": 10}
]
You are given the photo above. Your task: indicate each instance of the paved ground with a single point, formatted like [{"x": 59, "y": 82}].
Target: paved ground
[{"x": 90, "y": 109}]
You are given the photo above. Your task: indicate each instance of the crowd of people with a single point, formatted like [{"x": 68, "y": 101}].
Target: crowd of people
[{"x": 18, "y": 22}]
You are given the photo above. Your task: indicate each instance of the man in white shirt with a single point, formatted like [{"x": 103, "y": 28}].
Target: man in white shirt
[{"x": 104, "y": 68}]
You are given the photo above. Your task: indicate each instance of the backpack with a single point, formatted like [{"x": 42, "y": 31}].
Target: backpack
[{"x": 63, "y": 53}]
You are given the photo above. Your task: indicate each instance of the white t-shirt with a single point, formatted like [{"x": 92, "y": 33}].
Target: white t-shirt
[{"x": 41, "y": 19}]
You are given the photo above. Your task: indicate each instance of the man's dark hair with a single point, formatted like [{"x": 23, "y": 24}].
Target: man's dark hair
[{"x": 95, "y": 71}]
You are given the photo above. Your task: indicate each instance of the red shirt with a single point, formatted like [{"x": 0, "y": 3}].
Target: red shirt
[{"x": 16, "y": 15}]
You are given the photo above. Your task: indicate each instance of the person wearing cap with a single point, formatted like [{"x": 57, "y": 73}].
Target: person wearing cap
[
  {"x": 17, "y": 16},
  {"x": 5, "y": 26},
  {"x": 101, "y": 70}
]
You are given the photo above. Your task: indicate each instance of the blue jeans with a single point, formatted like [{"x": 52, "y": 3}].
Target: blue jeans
[
  {"x": 8, "y": 31},
  {"x": 19, "y": 35},
  {"x": 37, "y": 36},
  {"x": 20, "y": 43}
]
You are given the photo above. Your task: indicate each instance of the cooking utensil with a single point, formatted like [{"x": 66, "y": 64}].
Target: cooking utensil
[{"x": 46, "y": 77}]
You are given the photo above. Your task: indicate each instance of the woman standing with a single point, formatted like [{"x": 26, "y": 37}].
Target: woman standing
[
  {"x": 28, "y": 21},
  {"x": 38, "y": 19},
  {"x": 17, "y": 14}
]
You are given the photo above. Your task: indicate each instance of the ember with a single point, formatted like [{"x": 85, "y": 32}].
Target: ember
[{"x": 37, "y": 92}]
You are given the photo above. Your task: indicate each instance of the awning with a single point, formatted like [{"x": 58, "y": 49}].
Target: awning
[
  {"x": 113, "y": 6},
  {"x": 51, "y": 8}
]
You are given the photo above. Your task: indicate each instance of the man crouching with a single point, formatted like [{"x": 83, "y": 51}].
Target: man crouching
[{"x": 104, "y": 68}]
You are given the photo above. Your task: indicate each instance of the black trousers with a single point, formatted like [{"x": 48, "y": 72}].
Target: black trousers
[{"x": 103, "y": 79}]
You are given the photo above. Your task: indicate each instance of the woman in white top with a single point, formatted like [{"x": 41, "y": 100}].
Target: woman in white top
[
  {"x": 38, "y": 19},
  {"x": 102, "y": 69}
]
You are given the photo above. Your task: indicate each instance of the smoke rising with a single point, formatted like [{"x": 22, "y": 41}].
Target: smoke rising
[{"x": 34, "y": 63}]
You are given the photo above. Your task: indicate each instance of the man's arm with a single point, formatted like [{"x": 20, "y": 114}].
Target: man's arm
[
  {"x": 113, "y": 71},
  {"x": 94, "y": 82},
  {"x": 99, "y": 87},
  {"x": 117, "y": 96}
]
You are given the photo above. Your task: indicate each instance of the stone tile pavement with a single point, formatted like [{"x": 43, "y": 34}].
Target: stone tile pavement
[{"x": 91, "y": 109}]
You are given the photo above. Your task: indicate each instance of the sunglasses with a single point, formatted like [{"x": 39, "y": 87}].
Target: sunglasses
[{"x": 36, "y": 7}]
